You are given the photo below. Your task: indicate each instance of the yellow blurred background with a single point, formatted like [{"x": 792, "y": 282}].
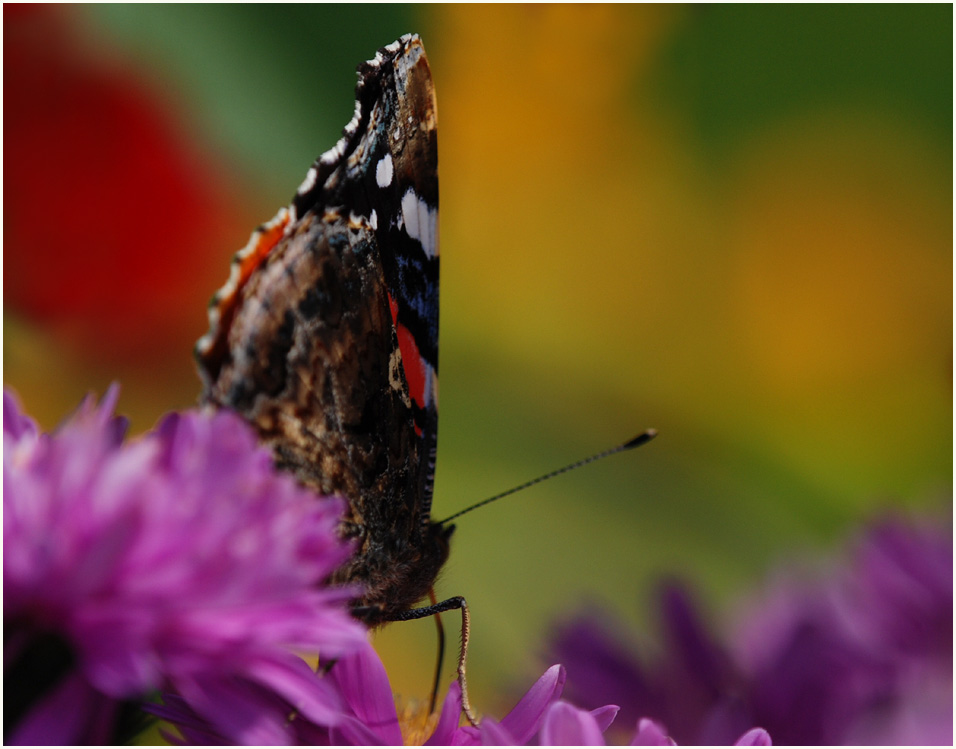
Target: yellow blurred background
[{"x": 733, "y": 224}]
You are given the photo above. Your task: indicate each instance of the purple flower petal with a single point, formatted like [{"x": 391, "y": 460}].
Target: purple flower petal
[
  {"x": 525, "y": 718},
  {"x": 16, "y": 424},
  {"x": 605, "y": 716},
  {"x": 754, "y": 737},
  {"x": 898, "y": 594},
  {"x": 237, "y": 709},
  {"x": 290, "y": 677},
  {"x": 447, "y": 726},
  {"x": 595, "y": 654},
  {"x": 494, "y": 733},
  {"x": 566, "y": 725},
  {"x": 363, "y": 682},
  {"x": 651, "y": 733}
]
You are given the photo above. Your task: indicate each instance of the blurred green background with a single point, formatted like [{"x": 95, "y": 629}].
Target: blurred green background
[{"x": 731, "y": 223}]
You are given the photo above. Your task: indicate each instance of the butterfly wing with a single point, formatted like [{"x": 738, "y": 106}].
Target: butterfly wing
[{"x": 325, "y": 337}]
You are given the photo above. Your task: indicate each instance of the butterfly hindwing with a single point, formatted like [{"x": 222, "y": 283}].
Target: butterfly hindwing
[{"x": 325, "y": 337}]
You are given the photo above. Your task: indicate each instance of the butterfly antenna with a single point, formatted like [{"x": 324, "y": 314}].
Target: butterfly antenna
[{"x": 641, "y": 439}]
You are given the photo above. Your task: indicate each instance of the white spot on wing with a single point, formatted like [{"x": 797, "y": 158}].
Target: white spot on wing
[
  {"x": 383, "y": 171},
  {"x": 421, "y": 222},
  {"x": 410, "y": 213}
]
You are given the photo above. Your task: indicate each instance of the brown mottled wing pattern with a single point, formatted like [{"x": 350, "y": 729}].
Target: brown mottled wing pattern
[{"x": 325, "y": 336}]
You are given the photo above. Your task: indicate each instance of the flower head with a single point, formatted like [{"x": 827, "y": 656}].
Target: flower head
[
  {"x": 369, "y": 716},
  {"x": 367, "y": 711},
  {"x": 863, "y": 657},
  {"x": 180, "y": 561}
]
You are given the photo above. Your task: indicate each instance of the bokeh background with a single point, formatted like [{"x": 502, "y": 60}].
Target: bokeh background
[{"x": 730, "y": 223}]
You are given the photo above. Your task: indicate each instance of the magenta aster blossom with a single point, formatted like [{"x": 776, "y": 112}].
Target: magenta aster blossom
[
  {"x": 864, "y": 656},
  {"x": 867, "y": 656},
  {"x": 181, "y": 561},
  {"x": 369, "y": 716}
]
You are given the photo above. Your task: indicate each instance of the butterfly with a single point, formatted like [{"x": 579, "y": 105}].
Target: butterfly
[{"x": 325, "y": 338}]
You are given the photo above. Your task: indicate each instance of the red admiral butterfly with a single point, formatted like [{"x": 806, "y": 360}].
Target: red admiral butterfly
[{"x": 325, "y": 337}]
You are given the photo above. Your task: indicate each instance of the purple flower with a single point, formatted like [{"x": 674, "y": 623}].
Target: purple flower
[
  {"x": 369, "y": 717},
  {"x": 367, "y": 712},
  {"x": 180, "y": 561},
  {"x": 864, "y": 657}
]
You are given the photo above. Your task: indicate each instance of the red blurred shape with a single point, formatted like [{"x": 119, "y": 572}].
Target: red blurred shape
[{"x": 111, "y": 225}]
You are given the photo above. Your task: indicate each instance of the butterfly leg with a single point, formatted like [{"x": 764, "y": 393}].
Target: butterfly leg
[
  {"x": 436, "y": 683},
  {"x": 448, "y": 604}
]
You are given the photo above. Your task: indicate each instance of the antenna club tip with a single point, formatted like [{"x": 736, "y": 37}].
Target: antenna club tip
[{"x": 645, "y": 436}]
